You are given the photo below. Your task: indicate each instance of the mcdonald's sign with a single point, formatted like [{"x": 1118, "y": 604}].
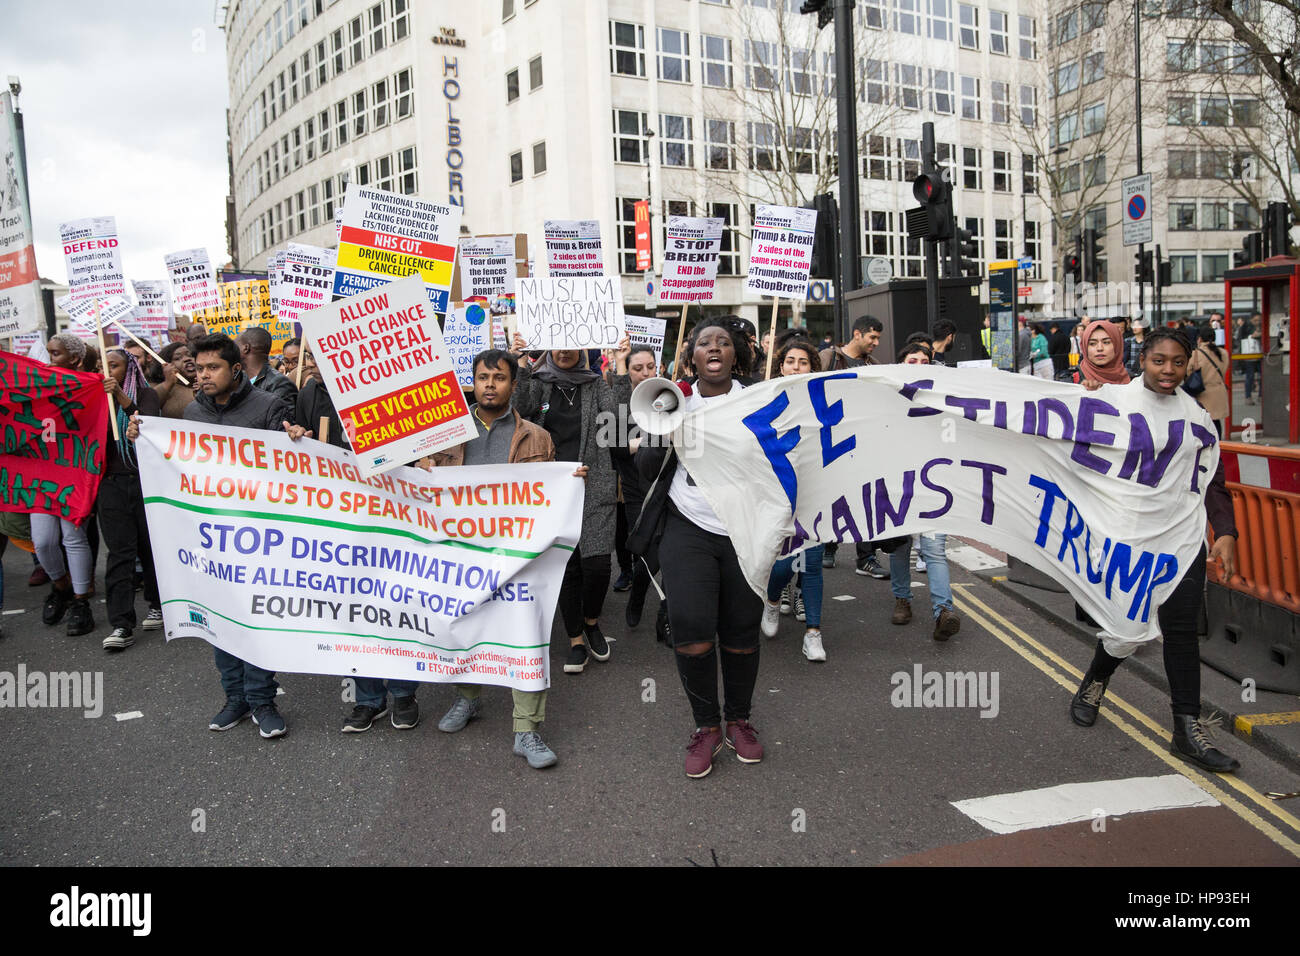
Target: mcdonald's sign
[{"x": 643, "y": 236}]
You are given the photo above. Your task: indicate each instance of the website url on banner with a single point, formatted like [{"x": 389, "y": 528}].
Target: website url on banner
[{"x": 1203, "y": 923}]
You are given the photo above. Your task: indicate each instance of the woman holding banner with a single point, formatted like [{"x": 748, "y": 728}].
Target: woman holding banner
[
  {"x": 567, "y": 397},
  {"x": 1165, "y": 357}
]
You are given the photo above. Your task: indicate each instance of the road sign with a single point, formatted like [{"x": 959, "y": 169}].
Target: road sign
[
  {"x": 879, "y": 271},
  {"x": 1024, "y": 290},
  {"x": 1026, "y": 262},
  {"x": 1135, "y": 195}
]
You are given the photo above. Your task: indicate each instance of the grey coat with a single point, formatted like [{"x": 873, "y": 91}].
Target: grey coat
[{"x": 599, "y": 516}]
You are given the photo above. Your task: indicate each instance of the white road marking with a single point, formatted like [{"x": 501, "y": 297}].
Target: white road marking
[
  {"x": 17, "y": 610},
  {"x": 972, "y": 559},
  {"x": 1077, "y": 802},
  {"x": 844, "y": 597},
  {"x": 129, "y": 715}
]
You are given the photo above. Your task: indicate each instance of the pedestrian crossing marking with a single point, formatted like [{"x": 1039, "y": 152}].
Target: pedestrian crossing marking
[{"x": 973, "y": 559}]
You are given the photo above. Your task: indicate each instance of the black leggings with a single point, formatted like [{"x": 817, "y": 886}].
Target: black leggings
[
  {"x": 582, "y": 593},
  {"x": 1179, "y": 618},
  {"x": 709, "y": 600}
]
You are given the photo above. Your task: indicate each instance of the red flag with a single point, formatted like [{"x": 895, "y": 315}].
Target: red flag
[{"x": 643, "y": 236}]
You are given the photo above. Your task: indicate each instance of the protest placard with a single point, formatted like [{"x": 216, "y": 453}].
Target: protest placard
[
  {"x": 570, "y": 313},
  {"x": 386, "y": 367},
  {"x": 51, "y": 470},
  {"x": 1101, "y": 490},
  {"x": 20, "y": 284},
  {"x": 781, "y": 252},
  {"x": 449, "y": 575},
  {"x": 487, "y": 266},
  {"x": 691, "y": 252},
  {"x": 306, "y": 282},
  {"x": 573, "y": 247},
  {"x": 388, "y": 235},
  {"x": 25, "y": 342},
  {"x": 113, "y": 310},
  {"x": 465, "y": 332},
  {"x": 642, "y": 330},
  {"x": 274, "y": 273},
  {"x": 194, "y": 287},
  {"x": 243, "y": 304},
  {"x": 153, "y": 306},
  {"x": 93, "y": 256}
]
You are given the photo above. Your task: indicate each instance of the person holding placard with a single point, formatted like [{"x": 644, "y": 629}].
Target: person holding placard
[
  {"x": 638, "y": 364},
  {"x": 173, "y": 395},
  {"x": 567, "y": 397},
  {"x": 255, "y": 357}
]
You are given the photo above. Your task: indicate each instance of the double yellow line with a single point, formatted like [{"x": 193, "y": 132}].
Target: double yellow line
[{"x": 1156, "y": 740}]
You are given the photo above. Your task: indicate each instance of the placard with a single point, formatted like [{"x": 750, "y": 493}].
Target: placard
[
  {"x": 93, "y": 256},
  {"x": 781, "y": 252},
  {"x": 194, "y": 285},
  {"x": 573, "y": 247},
  {"x": 691, "y": 253},
  {"x": 571, "y": 313},
  {"x": 21, "y": 308}
]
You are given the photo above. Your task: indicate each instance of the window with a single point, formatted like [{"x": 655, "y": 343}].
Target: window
[
  {"x": 877, "y": 163},
  {"x": 1094, "y": 67},
  {"x": 998, "y": 32},
  {"x": 306, "y": 73},
  {"x": 1069, "y": 177},
  {"x": 407, "y": 176},
  {"x": 972, "y": 176},
  {"x": 1244, "y": 216},
  {"x": 1183, "y": 267},
  {"x": 970, "y": 98},
  {"x": 401, "y": 19},
  {"x": 909, "y": 86},
  {"x": 907, "y": 16},
  {"x": 1181, "y": 111},
  {"x": 512, "y": 86},
  {"x": 1002, "y": 239},
  {"x": 309, "y": 137},
  {"x": 1215, "y": 111},
  {"x": 1214, "y": 57},
  {"x": 675, "y": 141},
  {"x": 1182, "y": 215},
  {"x": 1094, "y": 118},
  {"x": 1067, "y": 128},
  {"x": 341, "y": 122},
  {"x": 1213, "y": 266},
  {"x": 1028, "y": 106},
  {"x": 1028, "y": 38},
  {"x": 1243, "y": 61},
  {"x": 379, "y": 104},
  {"x": 762, "y": 69},
  {"x": 539, "y": 158},
  {"x": 293, "y": 82},
  {"x": 674, "y": 56},
  {"x": 909, "y": 254},
  {"x": 873, "y": 13},
  {"x": 1216, "y": 164},
  {"x": 1182, "y": 164},
  {"x": 801, "y": 146},
  {"x": 719, "y": 144},
  {"x": 909, "y": 151},
  {"x": 1094, "y": 171},
  {"x": 940, "y": 19},
  {"x": 975, "y": 227},
  {"x": 1001, "y": 102},
  {"x": 625, "y": 229},
  {"x": 968, "y": 26},
  {"x": 878, "y": 234},
  {"x": 1067, "y": 26},
  {"x": 717, "y": 61},
  {"x": 1214, "y": 215},
  {"x": 1094, "y": 15},
  {"x": 800, "y": 77},
  {"x": 626, "y": 48},
  {"x": 1180, "y": 55},
  {"x": 1001, "y": 171},
  {"x": 402, "y": 94},
  {"x": 323, "y": 124},
  {"x": 876, "y": 81},
  {"x": 729, "y": 251},
  {"x": 356, "y": 41},
  {"x": 630, "y": 141},
  {"x": 322, "y": 64},
  {"x": 1067, "y": 79},
  {"x": 941, "y": 99},
  {"x": 535, "y": 72},
  {"x": 945, "y": 158},
  {"x": 1095, "y": 218},
  {"x": 376, "y": 28},
  {"x": 762, "y": 147},
  {"x": 1245, "y": 111},
  {"x": 507, "y": 10},
  {"x": 1244, "y": 165},
  {"x": 1033, "y": 247},
  {"x": 517, "y": 167},
  {"x": 358, "y": 113}
]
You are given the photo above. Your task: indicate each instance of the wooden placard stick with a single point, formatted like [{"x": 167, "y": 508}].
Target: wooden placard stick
[
  {"x": 776, "y": 302},
  {"x": 678, "y": 364},
  {"x": 103, "y": 354},
  {"x": 324, "y": 429},
  {"x": 156, "y": 357}
]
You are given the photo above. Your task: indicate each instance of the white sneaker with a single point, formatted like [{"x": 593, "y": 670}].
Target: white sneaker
[
  {"x": 771, "y": 618},
  {"x": 119, "y": 640},
  {"x": 153, "y": 620},
  {"x": 787, "y": 601},
  {"x": 812, "y": 646},
  {"x": 920, "y": 565}
]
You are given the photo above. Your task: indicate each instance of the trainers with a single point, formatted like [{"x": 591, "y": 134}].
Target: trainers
[
  {"x": 1087, "y": 700},
  {"x": 153, "y": 620},
  {"x": 812, "y": 646},
  {"x": 870, "y": 567},
  {"x": 828, "y": 558},
  {"x": 700, "y": 751},
  {"x": 624, "y": 582},
  {"x": 946, "y": 624},
  {"x": 233, "y": 713},
  {"x": 269, "y": 722},
  {"x": 530, "y": 745},
  {"x": 800, "y": 612},
  {"x": 56, "y": 605},
  {"x": 577, "y": 659},
  {"x": 406, "y": 712},
  {"x": 462, "y": 711},
  {"x": 786, "y": 594},
  {"x": 38, "y": 577},
  {"x": 771, "y": 618},
  {"x": 359, "y": 721},
  {"x": 902, "y": 611},
  {"x": 920, "y": 565},
  {"x": 742, "y": 738},
  {"x": 119, "y": 640},
  {"x": 1191, "y": 742},
  {"x": 596, "y": 642},
  {"x": 81, "y": 620}
]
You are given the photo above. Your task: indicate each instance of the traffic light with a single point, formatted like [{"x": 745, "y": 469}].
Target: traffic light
[
  {"x": 1252, "y": 251},
  {"x": 1166, "y": 271},
  {"x": 1074, "y": 266},
  {"x": 1277, "y": 228},
  {"x": 826, "y": 236},
  {"x": 1091, "y": 253},
  {"x": 964, "y": 253},
  {"x": 824, "y": 9},
  {"x": 1145, "y": 270},
  {"x": 933, "y": 218}
]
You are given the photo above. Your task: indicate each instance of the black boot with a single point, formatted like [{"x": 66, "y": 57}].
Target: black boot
[
  {"x": 80, "y": 619},
  {"x": 1192, "y": 743},
  {"x": 56, "y": 605},
  {"x": 635, "y": 605},
  {"x": 1087, "y": 700}
]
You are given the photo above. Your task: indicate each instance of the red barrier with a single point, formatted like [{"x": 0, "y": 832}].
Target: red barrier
[{"x": 1265, "y": 487}]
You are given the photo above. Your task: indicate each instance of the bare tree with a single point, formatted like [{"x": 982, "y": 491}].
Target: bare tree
[{"x": 1273, "y": 38}]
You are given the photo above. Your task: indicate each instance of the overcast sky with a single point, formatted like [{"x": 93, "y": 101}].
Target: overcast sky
[{"x": 124, "y": 108}]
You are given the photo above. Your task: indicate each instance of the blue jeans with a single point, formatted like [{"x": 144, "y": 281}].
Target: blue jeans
[
  {"x": 936, "y": 568},
  {"x": 784, "y": 570},
  {"x": 244, "y": 681},
  {"x": 370, "y": 690}
]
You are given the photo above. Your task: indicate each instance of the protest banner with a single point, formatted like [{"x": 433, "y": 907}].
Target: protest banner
[
  {"x": 274, "y": 274},
  {"x": 1101, "y": 490},
  {"x": 245, "y": 304},
  {"x": 780, "y": 257},
  {"x": 642, "y": 330},
  {"x": 691, "y": 252},
  {"x": 306, "y": 282},
  {"x": 153, "y": 306},
  {"x": 387, "y": 235},
  {"x": 194, "y": 289},
  {"x": 283, "y": 554},
  {"x": 488, "y": 267},
  {"x": 25, "y": 342},
  {"x": 113, "y": 311},
  {"x": 466, "y": 333},
  {"x": 55, "y": 423},
  {"x": 94, "y": 258},
  {"x": 21, "y": 309},
  {"x": 571, "y": 313},
  {"x": 384, "y": 362},
  {"x": 573, "y": 247}
]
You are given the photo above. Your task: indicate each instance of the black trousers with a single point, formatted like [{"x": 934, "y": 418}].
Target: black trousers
[
  {"x": 126, "y": 535},
  {"x": 622, "y": 523},
  {"x": 582, "y": 592},
  {"x": 1180, "y": 618}
]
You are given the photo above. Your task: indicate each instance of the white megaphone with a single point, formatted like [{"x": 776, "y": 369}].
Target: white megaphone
[{"x": 658, "y": 406}]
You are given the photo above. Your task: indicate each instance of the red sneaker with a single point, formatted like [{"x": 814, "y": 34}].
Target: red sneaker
[
  {"x": 38, "y": 578},
  {"x": 743, "y": 739},
  {"x": 701, "y": 750}
]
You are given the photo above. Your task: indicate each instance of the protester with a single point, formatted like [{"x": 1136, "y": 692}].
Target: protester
[
  {"x": 1133, "y": 347},
  {"x": 798, "y": 357},
  {"x": 943, "y": 337},
  {"x": 1024, "y": 349},
  {"x": 1165, "y": 357},
  {"x": 309, "y": 369},
  {"x": 314, "y": 404},
  {"x": 567, "y": 397},
  {"x": 1211, "y": 361},
  {"x": 638, "y": 364},
  {"x": 1058, "y": 349},
  {"x": 72, "y": 582},
  {"x": 1102, "y": 354},
  {"x": 172, "y": 395},
  {"x": 709, "y": 600},
  {"x": 1250, "y": 345},
  {"x": 503, "y": 437},
  {"x": 121, "y": 507},
  {"x": 1039, "y": 356},
  {"x": 290, "y": 352},
  {"x": 254, "y": 350},
  {"x": 152, "y": 370}
]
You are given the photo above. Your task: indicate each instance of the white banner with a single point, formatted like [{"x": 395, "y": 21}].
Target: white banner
[
  {"x": 1101, "y": 490},
  {"x": 571, "y": 313},
  {"x": 94, "y": 258},
  {"x": 691, "y": 253},
  {"x": 280, "y": 553},
  {"x": 465, "y": 333},
  {"x": 20, "y": 282},
  {"x": 194, "y": 285},
  {"x": 780, "y": 251},
  {"x": 573, "y": 247}
]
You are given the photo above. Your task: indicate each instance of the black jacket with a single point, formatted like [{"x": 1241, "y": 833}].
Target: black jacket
[
  {"x": 248, "y": 407},
  {"x": 314, "y": 403},
  {"x": 277, "y": 384}
]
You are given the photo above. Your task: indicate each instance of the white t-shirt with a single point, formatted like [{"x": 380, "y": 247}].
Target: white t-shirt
[{"x": 682, "y": 492}]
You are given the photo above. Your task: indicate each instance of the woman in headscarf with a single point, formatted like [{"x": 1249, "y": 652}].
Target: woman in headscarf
[
  {"x": 121, "y": 506},
  {"x": 568, "y": 398},
  {"x": 1103, "y": 354}
]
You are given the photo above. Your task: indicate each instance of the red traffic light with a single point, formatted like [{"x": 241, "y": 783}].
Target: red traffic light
[{"x": 929, "y": 188}]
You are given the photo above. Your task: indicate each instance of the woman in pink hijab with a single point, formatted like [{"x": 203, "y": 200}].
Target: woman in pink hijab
[{"x": 1103, "y": 354}]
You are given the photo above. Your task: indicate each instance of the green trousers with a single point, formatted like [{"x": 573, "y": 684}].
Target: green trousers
[{"x": 530, "y": 705}]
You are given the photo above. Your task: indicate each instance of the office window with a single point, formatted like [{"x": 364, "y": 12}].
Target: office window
[
  {"x": 907, "y": 16},
  {"x": 1213, "y": 266},
  {"x": 1243, "y": 61},
  {"x": 1216, "y": 164},
  {"x": 309, "y": 137},
  {"x": 674, "y": 55},
  {"x": 1034, "y": 247},
  {"x": 323, "y": 125},
  {"x": 356, "y": 41},
  {"x": 717, "y": 61},
  {"x": 968, "y": 26},
  {"x": 1067, "y": 128},
  {"x": 512, "y": 86},
  {"x": 305, "y": 71},
  {"x": 763, "y": 147},
  {"x": 972, "y": 177},
  {"x": 975, "y": 227},
  {"x": 1094, "y": 171},
  {"x": 970, "y": 98},
  {"x": 1180, "y": 56},
  {"x": 719, "y": 144},
  {"x": 293, "y": 82},
  {"x": 535, "y": 72},
  {"x": 1067, "y": 26},
  {"x": 1182, "y": 215},
  {"x": 941, "y": 98},
  {"x": 401, "y": 19},
  {"x": 1067, "y": 78},
  {"x": 873, "y": 13},
  {"x": 507, "y": 10},
  {"x": 1001, "y": 112},
  {"x": 1001, "y": 171},
  {"x": 539, "y": 158},
  {"x": 407, "y": 174},
  {"x": 1094, "y": 67},
  {"x": 1181, "y": 111},
  {"x": 1245, "y": 111},
  {"x": 1028, "y": 106},
  {"x": 729, "y": 251},
  {"x": 1002, "y": 239},
  {"x": 998, "y": 33},
  {"x": 379, "y": 104},
  {"x": 877, "y": 163},
  {"x": 1214, "y": 57},
  {"x": 630, "y": 142},
  {"x": 376, "y": 28},
  {"x": 762, "y": 67},
  {"x": 403, "y": 95},
  {"x": 625, "y": 229},
  {"x": 341, "y": 122},
  {"x": 945, "y": 157},
  {"x": 1181, "y": 164},
  {"x": 801, "y": 146},
  {"x": 676, "y": 147},
  {"x": 878, "y": 233},
  {"x": 358, "y": 113},
  {"x": 1070, "y": 178},
  {"x": 626, "y": 48},
  {"x": 940, "y": 19},
  {"x": 800, "y": 78},
  {"x": 1094, "y": 118},
  {"x": 1183, "y": 267},
  {"x": 1028, "y": 38},
  {"x": 1215, "y": 111},
  {"x": 517, "y": 167},
  {"x": 384, "y": 173},
  {"x": 1094, "y": 15},
  {"x": 909, "y": 86},
  {"x": 1244, "y": 216},
  {"x": 876, "y": 81},
  {"x": 1215, "y": 215},
  {"x": 909, "y": 152}
]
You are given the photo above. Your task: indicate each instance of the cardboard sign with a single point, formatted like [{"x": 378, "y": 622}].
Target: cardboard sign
[
  {"x": 691, "y": 254},
  {"x": 112, "y": 310},
  {"x": 306, "y": 282},
  {"x": 488, "y": 266},
  {"x": 465, "y": 333},
  {"x": 573, "y": 247},
  {"x": 781, "y": 252},
  {"x": 153, "y": 310},
  {"x": 194, "y": 286},
  {"x": 21, "y": 309},
  {"x": 386, "y": 367},
  {"x": 646, "y": 331},
  {"x": 571, "y": 313},
  {"x": 244, "y": 304},
  {"x": 94, "y": 259}
]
